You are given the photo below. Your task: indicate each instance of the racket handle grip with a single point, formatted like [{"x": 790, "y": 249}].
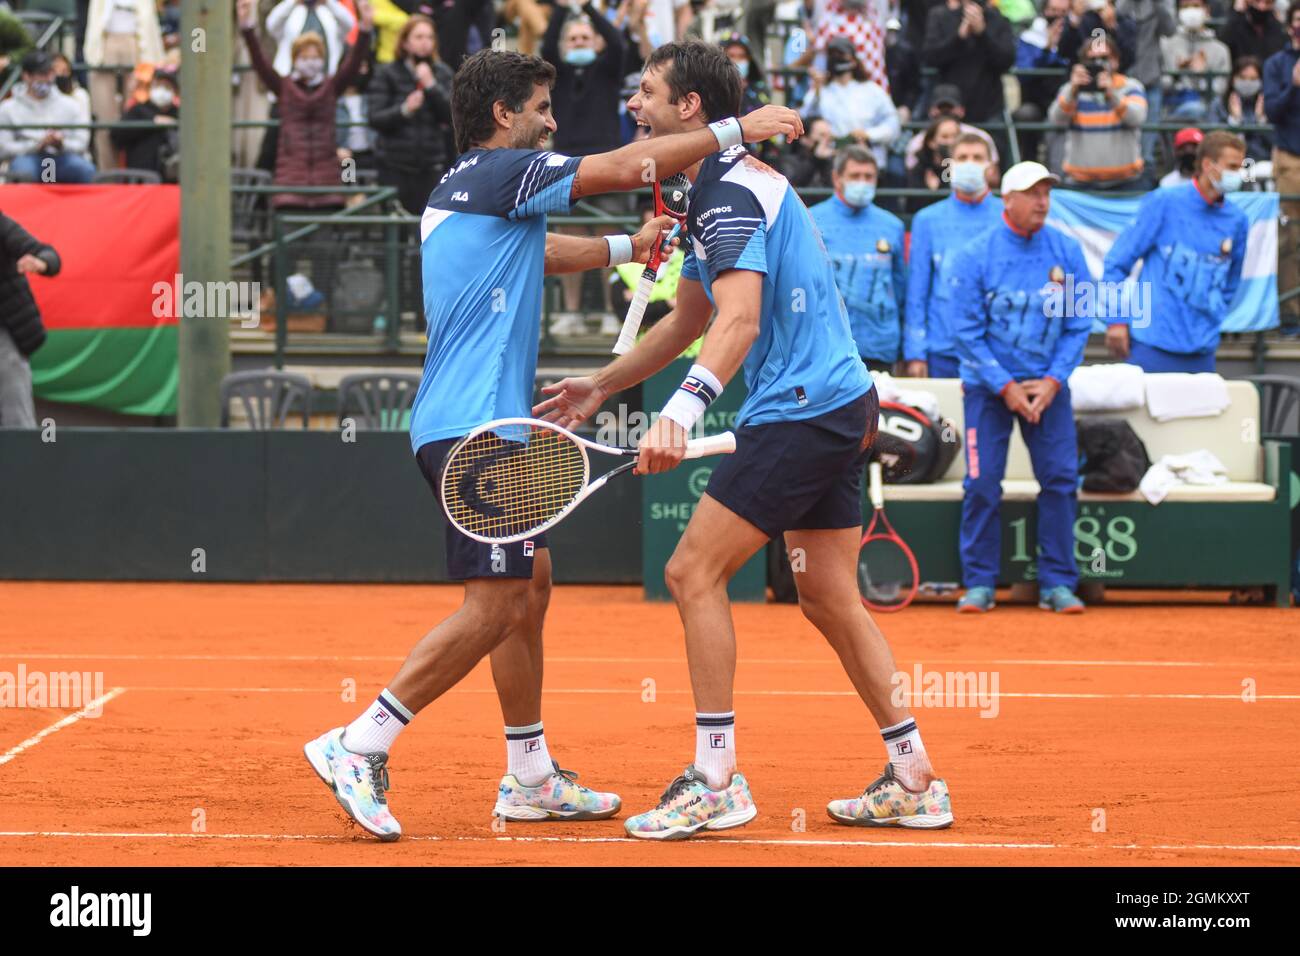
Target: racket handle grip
[
  {"x": 635, "y": 312},
  {"x": 723, "y": 444},
  {"x": 876, "y": 485}
]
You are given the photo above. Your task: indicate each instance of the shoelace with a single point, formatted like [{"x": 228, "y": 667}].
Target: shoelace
[
  {"x": 569, "y": 775},
  {"x": 884, "y": 778},
  {"x": 378, "y": 775},
  {"x": 674, "y": 788}
]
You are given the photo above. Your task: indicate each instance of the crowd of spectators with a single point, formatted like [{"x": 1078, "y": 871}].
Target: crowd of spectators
[{"x": 362, "y": 89}]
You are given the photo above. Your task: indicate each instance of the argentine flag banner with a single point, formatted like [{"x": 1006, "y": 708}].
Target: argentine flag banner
[{"x": 1096, "y": 222}]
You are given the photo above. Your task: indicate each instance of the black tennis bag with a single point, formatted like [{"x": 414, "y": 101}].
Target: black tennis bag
[
  {"x": 1111, "y": 456},
  {"x": 910, "y": 447}
]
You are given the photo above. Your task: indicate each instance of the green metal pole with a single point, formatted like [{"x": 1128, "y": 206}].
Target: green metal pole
[{"x": 204, "y": 340}]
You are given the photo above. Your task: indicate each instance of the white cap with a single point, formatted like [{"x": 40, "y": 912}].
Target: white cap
[{"x": 1022, "y": 176}]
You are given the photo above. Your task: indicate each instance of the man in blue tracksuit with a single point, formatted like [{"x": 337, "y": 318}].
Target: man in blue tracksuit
[
  {"x": 1192, "y": 243},
  {"x": 937, "y": 230},
  {"x": 866, "y": 246},
  {"x": 1020, "y": 334}
]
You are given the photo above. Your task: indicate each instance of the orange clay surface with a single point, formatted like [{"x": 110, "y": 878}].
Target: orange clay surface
[{"x": 1133, "y": 710}]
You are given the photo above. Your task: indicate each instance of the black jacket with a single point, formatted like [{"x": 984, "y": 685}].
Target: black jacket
[
  {"x": 421, "y": 141},
  {"x": 144, "y": 147},
  {"x": 18, "y": 312},
  {"x": 586, "y": 98},
  {"x": 974, "y": 65},
  {"x": 1246, "y": 36}
]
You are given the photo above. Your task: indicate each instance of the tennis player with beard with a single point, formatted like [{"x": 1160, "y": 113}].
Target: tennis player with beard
[
  {"x": 484, "y": 251},
  {"x": 802, "y": 439}
]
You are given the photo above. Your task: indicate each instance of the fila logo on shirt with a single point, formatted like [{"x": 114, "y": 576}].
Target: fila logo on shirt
[
  {"x": 718, "y": 741},
  {"x": 460, "y": 196},
  {"x": 381, "y": 717},
  {"x": 904, "y": 747},
  {"x": 532, "y": 746}
]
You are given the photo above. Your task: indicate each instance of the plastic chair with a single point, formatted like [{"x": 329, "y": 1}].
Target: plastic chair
[
  {"x": 378, "y": 401},
  {"x": 1279, "y": 402},
  {"x": 128, "y": 177},
  {"x": 267, "y": 396}
]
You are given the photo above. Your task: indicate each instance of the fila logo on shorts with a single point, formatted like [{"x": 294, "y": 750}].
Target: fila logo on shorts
[
  {"x": 528, "y": 549},
  {"x": 718, "y": 741},
  {"x": 532, "y": 746}
]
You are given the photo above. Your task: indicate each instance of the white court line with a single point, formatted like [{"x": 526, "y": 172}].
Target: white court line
[
  {"x": 384, "y": 659},
  {"x": 756, "y": 841},
  {"x": 636, "y": 691},
  {"x": 58, "y": 725}
]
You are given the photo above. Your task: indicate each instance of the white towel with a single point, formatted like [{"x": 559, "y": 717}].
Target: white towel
[
  {"x": 888, "y": 391},
  {"x": 1106, "y": 388},
  {"x": 1194, "y": 468},
  {"x": 1173, "y": 395}
]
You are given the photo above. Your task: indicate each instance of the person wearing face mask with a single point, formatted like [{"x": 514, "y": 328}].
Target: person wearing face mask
[
  {"x": 928, "y": 347},
  {"x": 330, "y": 20},
  {"x": 1282, "y": 105},
  {"x": 856, "y": 108},
  {"x": 1192, "y": 244},
  {"x": 409, "y": 103},
  {"x": 932, "y": 160},
  {"x": 1243, "y": 105},
  {"x": 866, "y": 247},
  {"x": 1193, "y": 48},
  {"x": 1186, "y": 143},
  {"x": 1102, "y": 112},
  {"x": 66, "y": 83},
  {"x": 37, "y": 153},
  {"x": 1253, "y": 30},
  {"x": 809, "y": 162},
  {"x": 150, "y": 148},
  {"x": 854, "y": 21}
]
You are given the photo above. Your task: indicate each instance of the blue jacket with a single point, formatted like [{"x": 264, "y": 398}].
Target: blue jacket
[
  {"x": 866, "y": 247},
  {"x": 1192, "y": 252},
  {"x": 937, "y": 230},
  {"x": 1282, "y": 98},
  {"x": 1012, "y": 318}
]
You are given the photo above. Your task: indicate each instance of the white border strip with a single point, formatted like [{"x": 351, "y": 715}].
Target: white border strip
[{"x": 58, "y": 725}]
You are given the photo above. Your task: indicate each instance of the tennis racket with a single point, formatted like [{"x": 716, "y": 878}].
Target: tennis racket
[
  {"x": 513, "y": 478},
  {"x": 888, "y": 578},
  {"x": 672, "y": 198}
]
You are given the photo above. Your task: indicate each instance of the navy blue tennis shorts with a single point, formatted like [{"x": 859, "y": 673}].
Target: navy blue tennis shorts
[
  {"x": 800, "y": 476},
  {"x": 466, "y": 558}
]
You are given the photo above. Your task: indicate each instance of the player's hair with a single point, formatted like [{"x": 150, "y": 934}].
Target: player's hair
[
  {"x": 974, "y": 139},
  {"x": 853, "y": 153},
  {"x": 702, "y": 68},
  {"x": 489, "y": 77},
  {"x": 1215, "y": 143},
  {"x": 404, "y": 34}
]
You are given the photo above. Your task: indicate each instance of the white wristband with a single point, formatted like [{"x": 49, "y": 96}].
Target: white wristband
[
  {"x": 728, "y": 132},
  {"x": 620, "y": 249},
  {"x": 697, "y": 392}
]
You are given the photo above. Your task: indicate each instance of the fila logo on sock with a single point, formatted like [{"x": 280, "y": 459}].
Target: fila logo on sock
[
  {"x": 718, "y": 741},
  {"x": 904, "y": 747},
  {"x": 532, "y": 746},
  {"x": 528, "y": 549},
  {"x": 381, "y": 717}
]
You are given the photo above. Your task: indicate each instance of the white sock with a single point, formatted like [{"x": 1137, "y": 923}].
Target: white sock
[
  {"x": 715, "y": 748},
  {"x": 907, "y": 754},
  {"x": 378, "y": 726},
  {"x": 526, "y": 755}
]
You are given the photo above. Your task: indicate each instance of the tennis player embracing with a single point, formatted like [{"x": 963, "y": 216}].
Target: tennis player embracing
[
  {"x": 484, "y": 251},
  {"x": 801, "y": 442}
]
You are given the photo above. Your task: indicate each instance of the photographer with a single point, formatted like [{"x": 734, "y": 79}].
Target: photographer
[{"x": 1103, "y": 112}]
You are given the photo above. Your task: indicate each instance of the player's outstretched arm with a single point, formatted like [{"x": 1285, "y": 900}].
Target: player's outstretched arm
[
  {"x": 574, "y": 400},
  {"x": 579, "y": 253},
  {"x": 638, "y": 164}
]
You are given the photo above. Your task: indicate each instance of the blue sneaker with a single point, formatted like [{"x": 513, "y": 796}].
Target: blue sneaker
[
  {"x": 976, "y": 601},
  {"x": 1061, "y": 600}
]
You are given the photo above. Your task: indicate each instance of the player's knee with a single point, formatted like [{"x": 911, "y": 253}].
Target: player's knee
[
  {"x": 821, "y": 610},
  {"x": 682, "y": 575}
]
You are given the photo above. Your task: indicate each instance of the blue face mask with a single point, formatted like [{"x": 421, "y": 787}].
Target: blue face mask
[
  {"x": 968, "y": 178},
  {"x": 583, "y": 56},
  {"x": 1230, "y": 181},
  {"x": 858, "y": 194},
  {"x": 743, "y": 67}
]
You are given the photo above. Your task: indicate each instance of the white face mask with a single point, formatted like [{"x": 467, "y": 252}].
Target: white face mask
[
  {"x": 1192, "y": 18},
  {"x": 311, "y": 70},
  {"x": 160, "y": 96}
]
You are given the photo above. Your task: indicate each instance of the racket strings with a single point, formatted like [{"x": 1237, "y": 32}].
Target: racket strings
[
  {"x": 886, "y": 574},
  {"x": 509, "y": 482}
]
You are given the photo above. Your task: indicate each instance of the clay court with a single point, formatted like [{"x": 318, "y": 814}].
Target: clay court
[{"x": 1136, "y": 709}]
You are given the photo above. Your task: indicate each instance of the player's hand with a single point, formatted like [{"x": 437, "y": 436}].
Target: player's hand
[
  {"x": 31, "y": 263},
  {"x": 1017, "y": 401},
  {"x": 365, "y": 15},
  {"x": 424, "y": 75},
  {"x": 656, "y": 230},
  {"x": 572, "y": 401},
  {"x": 917, "y": 368},
  {"x": 1041, "y": 392},
  {"x": 414, "y": 100},
  {"x": 1079, "y": 77},
  {"x": 662, "y": 448},
  {"x": 1117, "y": 341},
  {"x": 768, "y": 121},
  {"x": 244, "y": 11}
]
